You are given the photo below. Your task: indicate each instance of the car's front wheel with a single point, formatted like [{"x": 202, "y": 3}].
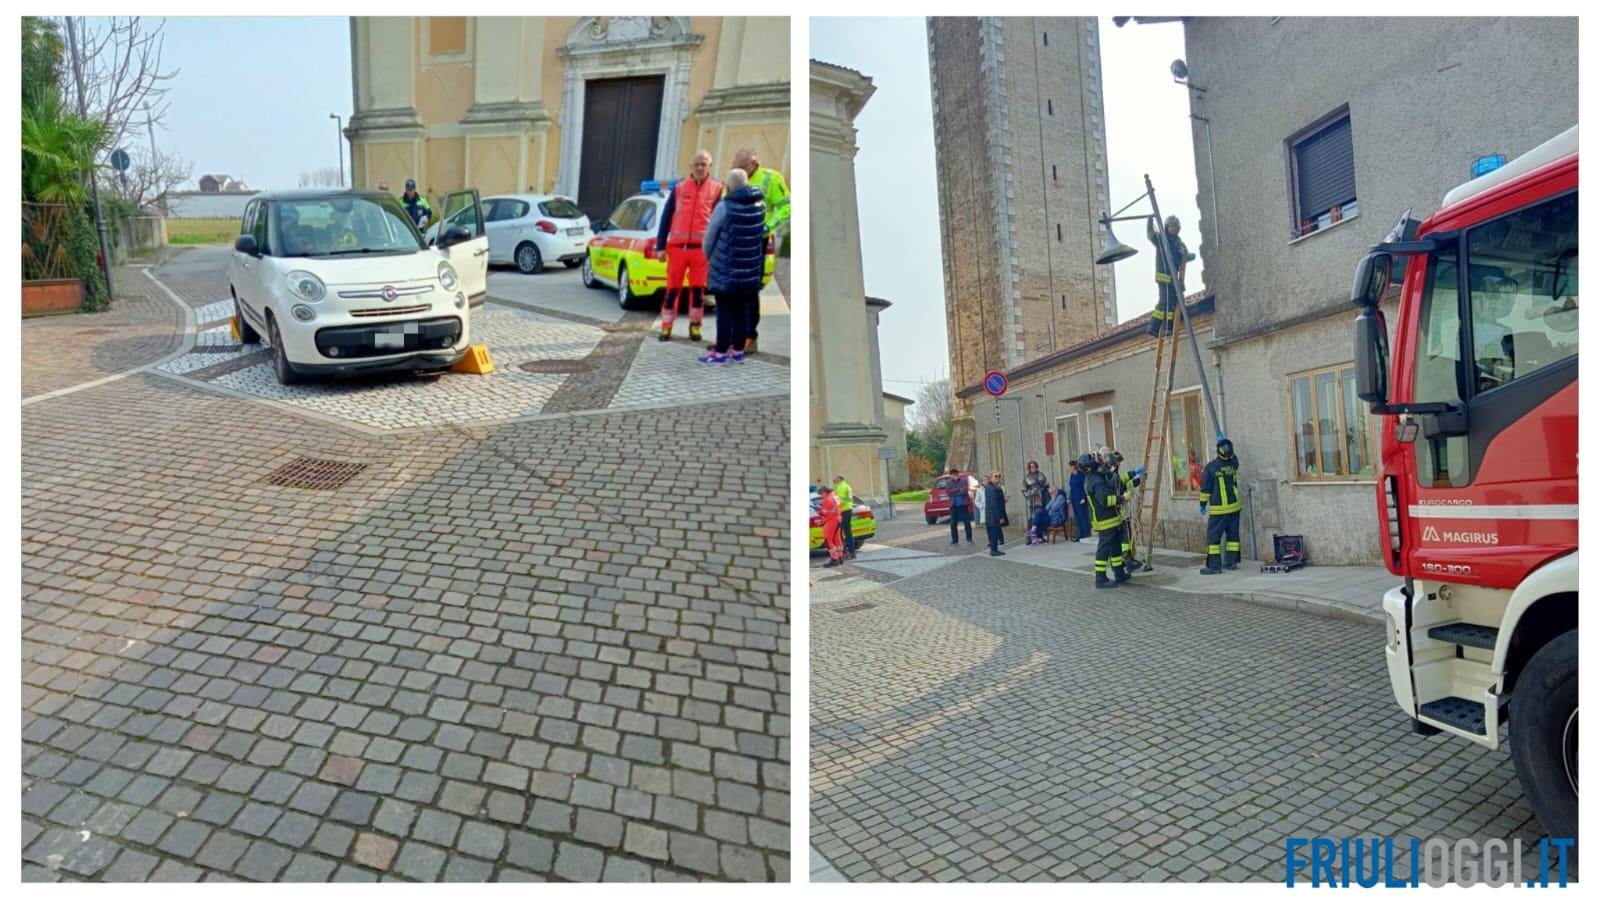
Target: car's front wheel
[
  {"x": 280, "y": 359},
  {"x": 589, "y": 280},
  {"x": 247, "y": 334},
  {"x": 932, "y": 519},
  {"x": 528, "y": 258}
]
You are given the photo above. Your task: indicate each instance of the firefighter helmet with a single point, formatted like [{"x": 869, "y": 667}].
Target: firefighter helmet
[{"x": 1224, "y": 448}]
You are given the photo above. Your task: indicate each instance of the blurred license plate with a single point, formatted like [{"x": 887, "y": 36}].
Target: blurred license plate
[
  {"x": 574, "y": 231},
  {"x": 395, "y": 336}
]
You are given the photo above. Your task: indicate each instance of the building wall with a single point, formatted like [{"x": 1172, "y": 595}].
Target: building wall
[
  {"x": 1056, "y": 126},
  {"x": 1427, "y": 96},
  {"x": 846, "y": 391},
  {"x": 199, "y": 205},
  {"x": 1019, "y": 143},
  {"x": 488, "y": 95},
  {"x": 1337, "y": 518},
  {"x": 894, "y": 425}
]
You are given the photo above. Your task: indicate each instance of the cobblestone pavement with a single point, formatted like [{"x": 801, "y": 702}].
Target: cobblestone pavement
[
  {"x": 140, "y": 327},
  {"x": 994, "y": 721},
  {"x": 479, "y": 658}
]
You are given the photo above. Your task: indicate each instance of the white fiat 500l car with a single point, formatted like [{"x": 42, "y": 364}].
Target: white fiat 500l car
[
  {"x": 530, "y": 230},
  {"x": 341, "y": 282}
]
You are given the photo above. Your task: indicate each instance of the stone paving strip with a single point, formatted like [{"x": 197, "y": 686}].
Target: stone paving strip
[{"x": 64, "y": 351}]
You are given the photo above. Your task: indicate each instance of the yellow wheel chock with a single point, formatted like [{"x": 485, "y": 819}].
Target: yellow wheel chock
[{"x": 475, "y": 362}]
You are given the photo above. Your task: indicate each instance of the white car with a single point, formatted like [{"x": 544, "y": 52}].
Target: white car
[
  {"x": 341, "y": 282},
  {"x": 529, "y": 230}
]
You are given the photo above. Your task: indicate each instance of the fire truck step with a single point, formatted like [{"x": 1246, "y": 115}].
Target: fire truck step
[
  {"x": 1463, "y": 634},
  {"x": 1462, "y": 714}
]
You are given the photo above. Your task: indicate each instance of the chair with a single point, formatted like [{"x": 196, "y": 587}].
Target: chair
[{"x": 1054, "y": 529}]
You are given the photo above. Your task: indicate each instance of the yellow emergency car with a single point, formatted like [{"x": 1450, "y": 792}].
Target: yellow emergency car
[{"x": 622, "y": 252}]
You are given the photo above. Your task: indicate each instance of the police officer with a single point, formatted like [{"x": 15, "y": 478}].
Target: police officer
[
  {"x": 416, "y": 206},
  {"x": 1105, "y": 517},
  {"x": 1219, "y": 485},
  {"x": 1171, "y": 289}
]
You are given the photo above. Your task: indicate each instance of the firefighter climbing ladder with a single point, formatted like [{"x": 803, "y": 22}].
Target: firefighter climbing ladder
[{"x": 1143, "y": 520}]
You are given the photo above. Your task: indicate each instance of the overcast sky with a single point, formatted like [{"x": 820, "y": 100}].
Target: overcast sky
[
  {"x": 1147, "y": 131},
  {"x": 252, "y": 96}
]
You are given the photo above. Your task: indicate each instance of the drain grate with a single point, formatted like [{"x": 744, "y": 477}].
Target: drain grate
[
  {"x": 557, "y": 366},
  {"x": 856, "y": 607},
  {"x": 218, "y": 348},
  {"x": 306, "y": 473}
]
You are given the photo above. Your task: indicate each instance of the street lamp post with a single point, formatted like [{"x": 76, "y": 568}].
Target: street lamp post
[
  {"x": 338, "y": 124},
  {"x": 1117, "y": 251},
  {"x": 94, "y": 189}
]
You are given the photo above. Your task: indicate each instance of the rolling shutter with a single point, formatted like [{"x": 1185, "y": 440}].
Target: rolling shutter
[{"x": 1326, "y": 169}]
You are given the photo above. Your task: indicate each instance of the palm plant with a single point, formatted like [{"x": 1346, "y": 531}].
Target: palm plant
[{"x": 58, "y": 152}]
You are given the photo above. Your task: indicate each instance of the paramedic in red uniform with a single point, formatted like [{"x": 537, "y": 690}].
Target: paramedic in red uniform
[{"x": 683, "y": 227}]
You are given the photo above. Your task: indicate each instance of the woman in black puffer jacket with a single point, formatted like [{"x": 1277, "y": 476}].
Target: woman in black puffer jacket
[{"x": 736, "y": 252}]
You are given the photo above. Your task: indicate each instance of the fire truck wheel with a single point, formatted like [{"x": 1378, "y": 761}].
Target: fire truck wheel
[{"x": 1544, "y": 734}]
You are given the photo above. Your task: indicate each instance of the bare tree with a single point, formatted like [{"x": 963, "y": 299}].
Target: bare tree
[
  {"x": 327, "y": 176},
  {"x": 122, "y": 74},
  {"x": 148, "y": 177},
  {"x": 934, "y": 408}
]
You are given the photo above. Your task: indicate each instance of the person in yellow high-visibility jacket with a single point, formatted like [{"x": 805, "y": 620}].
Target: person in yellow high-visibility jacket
[
  {"x": 775, "y": 191},
  {"x": 841, "y": 490},
  {"x": 1219, "y": 486},
  {"x": 1168, "y": 283}
]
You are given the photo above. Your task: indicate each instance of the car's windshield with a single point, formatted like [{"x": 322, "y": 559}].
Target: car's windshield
[{"x": 341, "y": 226}]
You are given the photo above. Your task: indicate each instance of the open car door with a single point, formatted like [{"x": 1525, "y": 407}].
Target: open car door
[{"x": 470, "y": 257}]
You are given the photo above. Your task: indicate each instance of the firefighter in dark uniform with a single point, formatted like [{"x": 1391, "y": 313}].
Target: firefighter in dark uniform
[
  {"x": 1219, "y": 485},
  {"x": 1171, "y": 287},
  {"x": 1105, "y": 518}
]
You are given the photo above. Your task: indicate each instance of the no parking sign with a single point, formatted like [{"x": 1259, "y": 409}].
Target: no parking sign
[{"x": 994, "y": 383}]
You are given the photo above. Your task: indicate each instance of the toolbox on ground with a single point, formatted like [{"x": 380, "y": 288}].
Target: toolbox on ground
[{"x": 1288, "y": 553}]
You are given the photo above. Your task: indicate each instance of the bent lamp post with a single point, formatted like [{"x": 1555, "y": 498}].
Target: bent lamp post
[{"x": 1115, "y": 251}]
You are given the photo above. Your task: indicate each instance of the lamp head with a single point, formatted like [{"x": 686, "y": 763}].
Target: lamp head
[{"x": 1115, "y": 250}]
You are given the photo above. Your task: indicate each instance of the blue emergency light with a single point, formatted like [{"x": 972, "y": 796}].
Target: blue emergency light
[
  {"x": 655, "y": 184},
  {"x": 1483, "y": 165}
]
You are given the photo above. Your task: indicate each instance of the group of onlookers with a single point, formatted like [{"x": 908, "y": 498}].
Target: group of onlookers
[{"x": 1063, "y": 509}]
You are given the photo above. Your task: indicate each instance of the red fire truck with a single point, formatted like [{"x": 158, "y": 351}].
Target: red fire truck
[{"x": 1479, "y": 482}]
